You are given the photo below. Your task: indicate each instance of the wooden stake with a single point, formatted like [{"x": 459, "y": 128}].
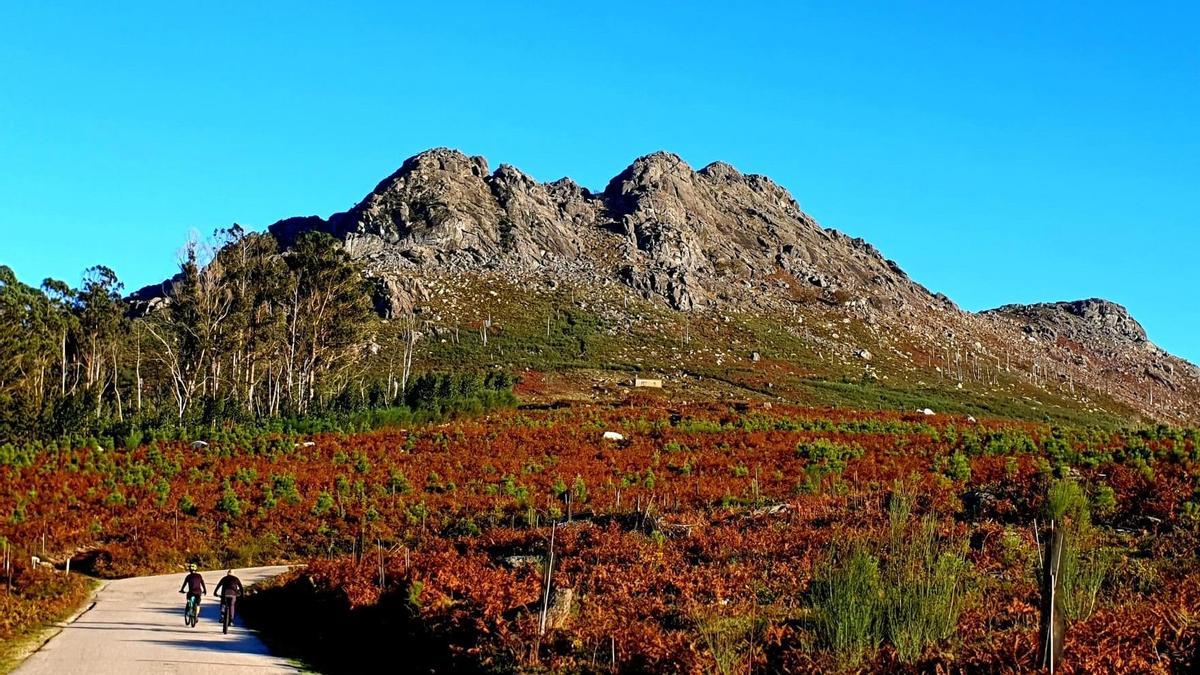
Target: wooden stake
[
  {"x": 549, "y": 574},
  {"x": 1053, "y": 623}
]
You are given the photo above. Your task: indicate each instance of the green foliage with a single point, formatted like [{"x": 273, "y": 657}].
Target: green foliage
[
  {"x": 730, "y": 639},
  {"x": 229, "y": 503},
  {"x": 579, "y": 491},
  {"x": 245, "y": 475},
  {"x": 846, "y": 602},
  {"x": 415, "y": 589},
  {"x": 1104, "y": 501},
  {"x": 284, "y": 487},
  {"x": 909, "y": 593},
  {"x": 133, "y": 439},
  {"x": 1085, "y": 564},
  {"x": 959, "y": 467},
  {"x": 559, "y": 487},
  {"x": 324, "y": 504},
  {"x": 923, "y": 581},
  {"x": 825, "y": 459},
  {"x": 398, "y": 483},
  {"x": 1085, "y": 567},
  {"x": 1065, "y": 499}
]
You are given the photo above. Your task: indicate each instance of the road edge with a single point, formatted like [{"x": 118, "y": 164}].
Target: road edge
[{"x": 39, "y": 639}]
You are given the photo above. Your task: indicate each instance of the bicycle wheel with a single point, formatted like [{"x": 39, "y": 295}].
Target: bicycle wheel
[{"x": 225, "y": 617}]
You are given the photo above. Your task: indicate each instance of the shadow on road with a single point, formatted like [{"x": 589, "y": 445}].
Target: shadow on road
[
  {"x": 206, "y": 636},
  {"x": 234, "y": 643}
]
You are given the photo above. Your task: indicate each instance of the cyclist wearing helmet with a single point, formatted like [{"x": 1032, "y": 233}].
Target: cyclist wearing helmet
[{"x": 193, "y": 585}]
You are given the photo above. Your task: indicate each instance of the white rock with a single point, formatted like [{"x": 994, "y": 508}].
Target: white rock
[{"x": 613, "y": 436}]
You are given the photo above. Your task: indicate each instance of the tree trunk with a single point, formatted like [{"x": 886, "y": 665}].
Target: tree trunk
[{"x": 117, "y": 384}]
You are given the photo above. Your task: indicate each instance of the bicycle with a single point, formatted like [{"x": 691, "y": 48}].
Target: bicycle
[
  {"x": 191, "y": 611},
  {"x": 226, "y": 612}
]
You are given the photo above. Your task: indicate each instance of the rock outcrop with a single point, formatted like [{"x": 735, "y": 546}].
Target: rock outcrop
[
  {"x": 1099, "y": 323},
  {"x": 688, "y": 237}
]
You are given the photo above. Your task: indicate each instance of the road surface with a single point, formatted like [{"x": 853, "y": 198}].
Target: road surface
[{"x": 136, "y": 626}]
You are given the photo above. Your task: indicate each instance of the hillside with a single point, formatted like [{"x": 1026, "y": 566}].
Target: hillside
[{"x": 721, "y": 274}]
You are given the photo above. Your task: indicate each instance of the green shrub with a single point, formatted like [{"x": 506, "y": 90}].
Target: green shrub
[
  {"x": 825, "y": 459},
  {"x": 846, "y": 602},
  {"x": 1104, "y": 501},
  {"x": 229, "y": 503},
  {"x": 133, "y": 439},
  {"x": 911, "y": 595},
  {"x": 1065, "y": 500},
  {"x": 1083, "y": 571},
  {"x": 959, "y": 468},
  {"x": 1085, "y": 565},
  {"x": 579, "y": 491},
  {"x": 324, "y": 503},
  {"x": 730, "y": 639},
  {"x": 284, "y": 487},
  {"x": 923, "y": 580}
]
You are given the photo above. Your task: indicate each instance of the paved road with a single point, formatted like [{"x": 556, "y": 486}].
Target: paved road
[{"x": 136, "y": 626}]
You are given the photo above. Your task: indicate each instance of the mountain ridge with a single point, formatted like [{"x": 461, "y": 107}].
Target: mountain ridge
[{"x": 716, "y": 240}]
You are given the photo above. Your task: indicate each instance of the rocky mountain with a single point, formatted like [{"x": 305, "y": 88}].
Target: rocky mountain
[
  {"x": 1101, "y": 335},
  {"x": 660, "y": 227},
  {"x": 714, "y": 242},
  {"x": 1097, "y": 323}
]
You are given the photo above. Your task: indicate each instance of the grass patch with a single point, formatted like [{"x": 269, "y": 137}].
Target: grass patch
[{"x": 39, "y": 599}]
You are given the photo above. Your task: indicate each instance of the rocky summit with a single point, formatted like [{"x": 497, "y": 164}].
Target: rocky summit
[
  {"x": 717, "y": 246},
  {"x": 1099, "y": 323},
  {"x": 660, "y": 227}
]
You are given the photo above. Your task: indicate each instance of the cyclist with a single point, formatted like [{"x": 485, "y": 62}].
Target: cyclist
[
  {"x": 193, "y": 585},
  {"x": 229, "y": 588}
]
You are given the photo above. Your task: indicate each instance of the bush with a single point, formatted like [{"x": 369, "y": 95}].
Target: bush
[
  {"x": 1104, "y": 501},
  {"x": 923, "y": 589},
  {"x": 846, "y": 601},
  {"x": 133, "y": 439},
  {"x": 730, "y": 639},
  {"x": 923, "y": 579},
  {"x": 229, "y": 503},
  {"x": 825, "y": 458},
  {"x": 1084, "y": 570},
  {"x": 959, "y": 468},
  {"x": 1065, "y": 500},
  {"x": 1084, "y": 565},
  {"x": 911, "y": 595}
]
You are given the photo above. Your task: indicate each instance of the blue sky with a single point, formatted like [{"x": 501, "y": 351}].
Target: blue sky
[{"x": 1000, "y": 152}]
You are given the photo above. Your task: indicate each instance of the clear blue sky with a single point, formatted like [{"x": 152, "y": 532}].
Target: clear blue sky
[{"x": 1000, "y": 152}]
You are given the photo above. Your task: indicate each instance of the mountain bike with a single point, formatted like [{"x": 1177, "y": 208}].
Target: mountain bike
[
  {"x": 191, "y": 611},
  {"x": 226, "y": 612}
]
